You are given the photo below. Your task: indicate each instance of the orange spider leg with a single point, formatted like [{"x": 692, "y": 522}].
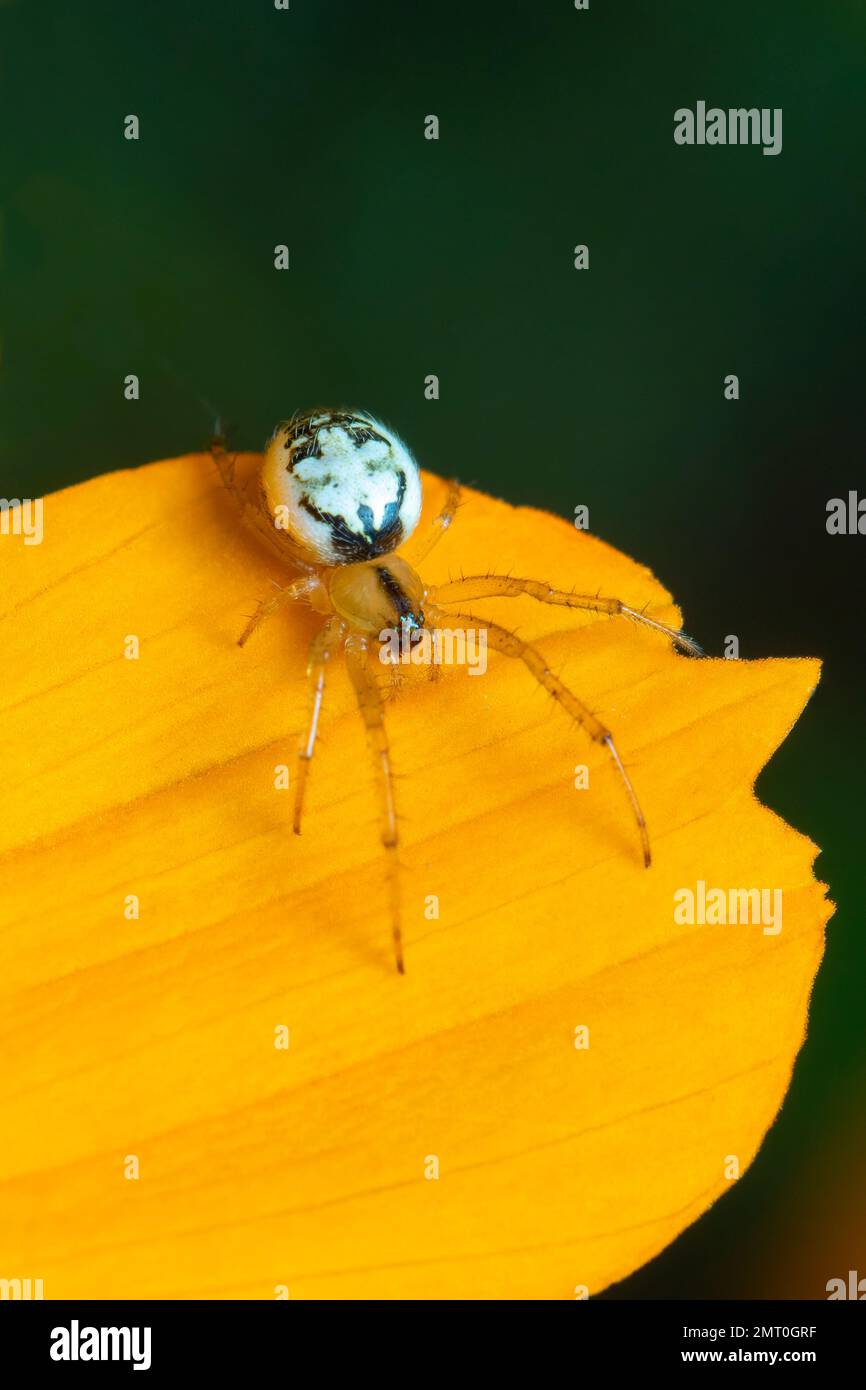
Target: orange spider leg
[
  {"x": 505, "y": 586},
  {"x": 439, "y": 525},
  {"x": 301, "y": 588},
  {"x": 502, "y": 640},
  {"x": 370, "y": 706},
  {"x": 322, "y": 648},
  {"x": 251, "y": 508}
]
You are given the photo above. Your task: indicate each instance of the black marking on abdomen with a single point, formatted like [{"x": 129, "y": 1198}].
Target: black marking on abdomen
[
  {"x": 358, "y": 431},
  {"x": 351, "y": 545},
  {"x": 303, "y": 449},
  {"x": 391, "y": 523}
]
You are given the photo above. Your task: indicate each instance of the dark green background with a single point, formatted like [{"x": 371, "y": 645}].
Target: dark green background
[{"x": 557, "y": 387}]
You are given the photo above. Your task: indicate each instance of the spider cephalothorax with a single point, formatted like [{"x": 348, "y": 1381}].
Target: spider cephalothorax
[{"x": 336, "y": 494}]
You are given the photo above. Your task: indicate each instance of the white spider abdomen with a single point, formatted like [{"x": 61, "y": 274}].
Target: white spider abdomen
[{"x": 343, "y": 486}]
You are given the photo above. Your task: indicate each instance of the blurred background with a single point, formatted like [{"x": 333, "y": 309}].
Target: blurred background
[{"x": 557, "y": 387}]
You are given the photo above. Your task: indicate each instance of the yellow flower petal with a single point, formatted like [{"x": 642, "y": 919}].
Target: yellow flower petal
[{"x": 559, "y": 1167}]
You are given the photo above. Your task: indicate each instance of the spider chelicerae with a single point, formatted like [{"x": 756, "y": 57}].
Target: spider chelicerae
[{"x": 337, "y": 495}]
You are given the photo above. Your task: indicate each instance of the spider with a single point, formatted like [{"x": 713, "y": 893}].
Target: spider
[{"x": 337, "y": 494}]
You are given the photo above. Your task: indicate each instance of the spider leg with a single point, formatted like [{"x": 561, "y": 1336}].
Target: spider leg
[
  {"x": 439, "y": 525},
  {"x": 226, "y": 463},
  {"x": 252, "y": 513},
  {"x": 299, "y": 589},
  {"x": 372, "y": 712},
  {"x": 322, "y": 649},
  {"x": 506, "y": 586},
  {"x": 501, "y": 639}
]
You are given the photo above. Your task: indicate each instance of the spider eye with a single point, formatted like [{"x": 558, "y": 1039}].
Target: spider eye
[{"x": 343, "y": 486}]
